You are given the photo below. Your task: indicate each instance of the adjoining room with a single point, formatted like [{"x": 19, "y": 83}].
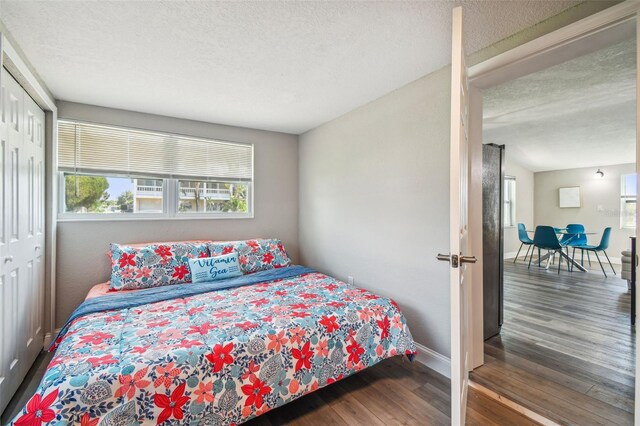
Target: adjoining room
[{"x": 560, "y": 154}]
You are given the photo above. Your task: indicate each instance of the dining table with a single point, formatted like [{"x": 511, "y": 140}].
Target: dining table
[{"x": 570, "y": 260}]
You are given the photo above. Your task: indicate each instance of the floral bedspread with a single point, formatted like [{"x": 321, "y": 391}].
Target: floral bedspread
[{"x": 218, "y": 358}]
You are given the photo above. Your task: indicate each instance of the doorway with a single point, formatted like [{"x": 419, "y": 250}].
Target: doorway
[{"x": 566, "y": 349}]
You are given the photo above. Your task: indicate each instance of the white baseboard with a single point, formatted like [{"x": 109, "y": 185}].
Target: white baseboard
[
  {"x": 433, "y": 360},
  {"x": 48, "y": 338},
  {"x": 510, "y": 255},
  {"x": 47, "y": 341}
]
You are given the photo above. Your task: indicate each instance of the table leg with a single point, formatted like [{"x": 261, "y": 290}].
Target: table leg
[
  {"x": 549, "y": 258},
  {"x": 572, "y": 261},
  {"x": 542, "y": 258},
  {"x": 545, "y": 257}
]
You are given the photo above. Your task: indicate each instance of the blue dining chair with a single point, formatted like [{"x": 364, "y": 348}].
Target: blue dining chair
[
  {"x": 545, "y": 238},
  {"x": 602, "y": 247},
  {"x": 563, "y": 241},
  {"x": 574, "y": 238},
  {"x": 553, "y": 257},
  {"x": 524, "y": 240}
]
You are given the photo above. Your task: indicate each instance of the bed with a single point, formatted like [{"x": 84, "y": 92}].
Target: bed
[{"x": 213, "y": 353}]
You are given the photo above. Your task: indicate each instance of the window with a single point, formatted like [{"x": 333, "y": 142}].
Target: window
[
  {"x": 109, "y": 171},
  {"x": 509, "y": 201},
  {"x": 216, "y": 197},
  {"x": 92, "y": 193},
  {"x": 628, "y": 196}
]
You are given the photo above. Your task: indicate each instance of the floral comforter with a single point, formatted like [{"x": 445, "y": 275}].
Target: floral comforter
[{"x": 218, "y": 358}]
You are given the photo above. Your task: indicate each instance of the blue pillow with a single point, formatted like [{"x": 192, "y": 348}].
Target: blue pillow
[{"x": 214, "y": 268}]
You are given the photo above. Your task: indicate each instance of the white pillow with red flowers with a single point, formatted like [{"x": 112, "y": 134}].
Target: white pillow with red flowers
[
  {"x": 153, "y": 265},
  {"x": 254, "y": 255}
]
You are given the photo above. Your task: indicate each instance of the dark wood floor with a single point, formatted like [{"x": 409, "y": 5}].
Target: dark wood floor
[
  {"x": 394, "y": 392},
  {"x": 566, "y": 350},
  {"x": 391, "y": 393}
]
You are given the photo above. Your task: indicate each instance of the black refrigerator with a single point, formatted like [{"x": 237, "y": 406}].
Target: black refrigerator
[{"x": 492, "y": 237}]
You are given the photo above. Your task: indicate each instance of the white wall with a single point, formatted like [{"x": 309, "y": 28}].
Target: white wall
[
  {"x": 600, "y": 202},
  {"x": 82, "y": 246},
  {"x": 524, "y": 203},
  {"x": 374, "y": 201}
]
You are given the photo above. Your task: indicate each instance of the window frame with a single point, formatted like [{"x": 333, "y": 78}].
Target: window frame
[
  {"x": 511, "y": 212},
  {"x": 170, "y": 196},
  {"x": 624, "y": 197}
]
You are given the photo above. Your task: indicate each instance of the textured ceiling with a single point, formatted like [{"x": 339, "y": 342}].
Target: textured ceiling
[
  {"x": 577, "y": 114},
  {"x": 285, "y": 66}
]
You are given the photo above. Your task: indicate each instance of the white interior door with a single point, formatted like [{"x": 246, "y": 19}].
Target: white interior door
[
  {"x": 21, "y": 234},
  {"x": 459, "y": 241},
  {"x": 12, "y": 314},
  {"x": 33, "y": 226},
  {"x": 636, "y": 414},
  {"x": 6, "y": 310}
]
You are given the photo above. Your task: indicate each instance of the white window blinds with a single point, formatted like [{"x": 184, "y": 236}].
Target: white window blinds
[{"x": 92, "y": 148}]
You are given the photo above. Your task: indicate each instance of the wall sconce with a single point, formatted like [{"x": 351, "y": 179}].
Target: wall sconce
[{"x": 599, "y": 174}]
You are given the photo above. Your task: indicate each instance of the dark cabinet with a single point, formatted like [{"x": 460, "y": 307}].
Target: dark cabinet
[{"x": 492, "y": 237}]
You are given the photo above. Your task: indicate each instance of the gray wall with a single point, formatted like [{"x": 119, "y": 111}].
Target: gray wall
[
  {"x": 374, "y": 201},
  {"x": 374, "y": 192},
  {"x": 600, "y": 202},
  {"x": 82, "y": 246},
  {"x": 524, "y": 203}
]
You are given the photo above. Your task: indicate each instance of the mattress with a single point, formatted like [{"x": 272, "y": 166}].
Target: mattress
[{"x": 99, "y": 290}]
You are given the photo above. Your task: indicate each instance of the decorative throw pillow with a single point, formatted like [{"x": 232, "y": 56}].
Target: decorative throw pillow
[
  {"x": 214, "y": 268},
  {"x": 153, "y": 265},
  {"x": 254, "y": 255}
]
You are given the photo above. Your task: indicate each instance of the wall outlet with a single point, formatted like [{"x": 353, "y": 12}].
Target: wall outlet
[{"x": 350, "y": 280}]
